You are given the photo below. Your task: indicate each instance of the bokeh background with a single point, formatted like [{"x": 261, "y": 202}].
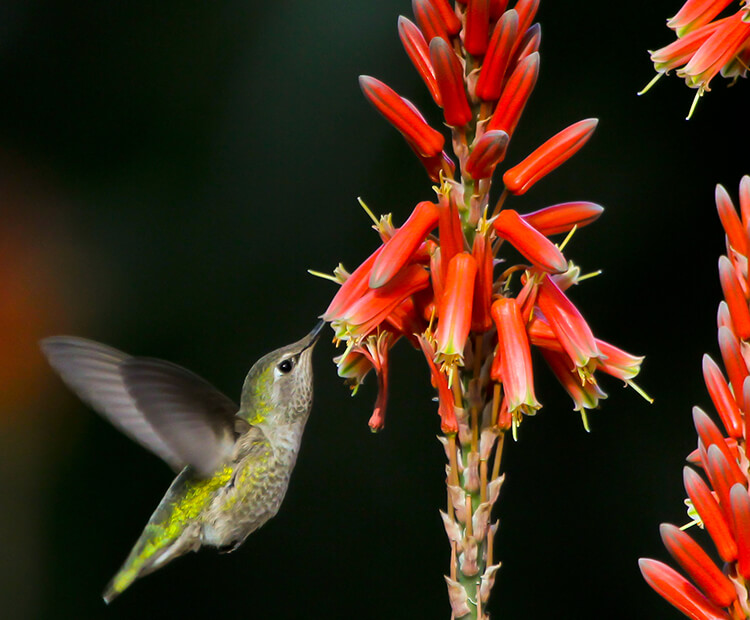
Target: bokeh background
[{"x": 168, "y": 172}]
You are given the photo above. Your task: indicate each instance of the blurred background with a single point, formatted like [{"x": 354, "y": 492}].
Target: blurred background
[{"x": 168, "y": 172}]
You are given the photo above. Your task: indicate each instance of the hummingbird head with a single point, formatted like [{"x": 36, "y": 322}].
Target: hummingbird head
[{"x": 278, "y": 389}]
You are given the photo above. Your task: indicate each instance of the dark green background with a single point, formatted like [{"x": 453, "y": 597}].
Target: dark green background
[{"x": 175, "y": 167}]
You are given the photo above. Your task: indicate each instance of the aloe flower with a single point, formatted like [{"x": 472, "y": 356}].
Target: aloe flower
[
  {"x": 705, "y": 46},
  {"x": 720, "y": 502},
  {"x": 444, "y": 280}
]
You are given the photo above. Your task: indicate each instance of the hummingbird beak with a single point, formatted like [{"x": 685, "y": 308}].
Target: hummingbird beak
[{"x": 313, "y": 336}]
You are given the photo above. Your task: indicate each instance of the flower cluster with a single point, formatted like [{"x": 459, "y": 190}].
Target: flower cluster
[
  {"x": 705, "y": 45},
  {"x": 438, "y": 281},
  {"x": 720, "y": 504}
]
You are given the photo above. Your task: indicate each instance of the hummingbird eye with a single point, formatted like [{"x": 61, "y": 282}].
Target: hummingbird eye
[{"x": 286, "y": 366}]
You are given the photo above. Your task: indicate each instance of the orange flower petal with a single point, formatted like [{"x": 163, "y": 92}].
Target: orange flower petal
[
  {"x": 455, "y": 307},
  {"x": 561, "y": 218},
  {"x": 529, "y": 242}
]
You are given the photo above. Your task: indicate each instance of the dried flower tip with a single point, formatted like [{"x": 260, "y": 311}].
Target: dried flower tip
[
  {"x": 550, "y": 155},
  {"x": 458, "y": 598},
  {"x": 490, "y": 83},
  {"x": 710, "y": 513},
  {"x": 403, "y": 116},
  {"x": 399, "y": 250},
  {"x": 678, "y": 591},
  {"x": 561, "y": 218},
  {"x": 476, "y": 31},
  {"x": 455, "y": 309},
  {"x": 696, "y": 563},
  {"x": 450, "y": 79},
  {"x": 486, "y": 154},
  {"x": 515, "y": 94},
  {"x": 416, "y": 49},
  {"x": 529, "y": 242}
]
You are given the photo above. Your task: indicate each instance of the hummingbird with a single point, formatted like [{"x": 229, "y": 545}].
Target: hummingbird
[{"x": 234, "y": 463}]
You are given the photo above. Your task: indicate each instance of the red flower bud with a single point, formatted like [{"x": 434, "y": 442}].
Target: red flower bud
[
  {"x": 454, "y": 313},
  {"x": 736, "y": 232},
  {"x": 735, "y": 298},
  {"x": 450, "y": 79},
  {"x": 696, "y": 563},
  {"x": 480, "y": 311},
  {"x": 476, "y": 31},
  {"x": 399, "y": 249},
  {"x": 529, "y": 241},
  {"x": 403, "y": 116},
  {"x": 562, "y": 217},
  {"x": 554, "y": 152},
  {"x": 486, "y": 154},
  {"x": 419, "y": 54},
  {"x": 740, "y": 508},
  {"x": 447, "y": 15},
  {"x": 490, "y": 83},
  {"x": 722, "y": 398},
  {"x": 678, "y": 591},
  {"x": 514, "y": 96},
  {"x": 497, "y": 8},
  {"x": 429, "y": 20}
]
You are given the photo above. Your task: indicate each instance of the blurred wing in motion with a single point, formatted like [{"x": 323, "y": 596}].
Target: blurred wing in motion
[{"x": 168, "y": 410}]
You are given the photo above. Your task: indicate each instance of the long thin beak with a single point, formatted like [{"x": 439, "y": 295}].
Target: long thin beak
[{"x": 313, "y": 336}]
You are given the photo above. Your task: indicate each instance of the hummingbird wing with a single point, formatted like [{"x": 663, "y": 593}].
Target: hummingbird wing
[
  {"x": 93, "y": 372},
  {"x": 167, "y": 409},
  {"x": 194, "y": 419}
]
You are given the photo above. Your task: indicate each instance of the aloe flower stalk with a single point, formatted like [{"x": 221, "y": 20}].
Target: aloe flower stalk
[
  {"x": 720, "y": 502},
  {"x": 443, "y": 282},
  {"x": 705, "y": 46}
]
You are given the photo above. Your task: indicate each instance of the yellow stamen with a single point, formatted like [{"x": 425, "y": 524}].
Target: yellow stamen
[
  {"x": 367, "y": 210},
  {"x": 650, "y": 84},
  {"x": 568, "y": 238},
  {"x": 325, "y": 276},
  {"x": 593, "y": 274},
  {"x": 698, "y": 95}
]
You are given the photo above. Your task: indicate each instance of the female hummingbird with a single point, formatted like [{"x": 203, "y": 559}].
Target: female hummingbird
[{"x": 234, "y": 462}]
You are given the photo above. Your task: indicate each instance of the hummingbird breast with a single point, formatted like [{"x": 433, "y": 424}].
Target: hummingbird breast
[{"x": 253, "y": 494}]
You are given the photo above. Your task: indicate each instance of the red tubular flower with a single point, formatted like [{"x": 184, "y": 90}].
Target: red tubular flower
[
  {"x": 696, "y": 13},
  {"x": 735, "y": 298},
  {"x": 730, "y": 221},
  {"x": 372, "y": 308},
  {"x": 710, "y": 435},
  {"x": 476, "y": 31},
  {"x": 530, "y": 42},
  {"x": 455, "y": 307},
  {"x": 515, "y": 95},
  {"x": 720, "y": 48},
  {"x": 585, "y": 395},
  {"x": 429, "y": 20},
  {"x": 448, "y": 16},
  {"x": 514, "y": 368},
  {"x": 722, "y": 479},
  {"x": 490, "y": 83},
  {"x": 529, "y": 242},
  {"x": 722, "y": 398},
  {"x": 698, "y": 565},
  {"x": 375, "y": 349},
  {"x": 497, "y": 8},
  {"x": 480, "y": 310},
  {"x": 486, "y": 154},
  {"x": 711, "y": 515},
  {"x": 740, "y": 508},
  {"x": 541, "y": 335},
  {"x": 679, "y": 591},
  {"x": 562, "y": 217},
  {"x": 733, "y": 360},
  {"x": 450, "y": 79},
  {"x": 400, "y": 248},
  {"x": 618, "y": 363},
  {"x": 680, "y": 51},
  {"x": 569, "y": 326},
  {"x": 419, "y": 54},
  {"x": 745, "y": 200},
  {"x": 446, "y": 407},
  {"x": 526, "y": 10},
  {"x": 352, "y": 289},
  {"x": 550, "y": 155},
  {"x": 451, "y": 232},
  {"x": 427, "y": 141}
]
